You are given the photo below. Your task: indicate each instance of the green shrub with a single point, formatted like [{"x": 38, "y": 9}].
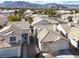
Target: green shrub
[
  {"x": 14, "y": 18},
  {"x": 39, "y": 55},
  {"x": 70, "y": 18},
  {"x": 77, "y": 50},
  {"x": 29, "y": 18}
]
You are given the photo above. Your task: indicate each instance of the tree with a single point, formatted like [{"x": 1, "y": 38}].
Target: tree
[
  {"x": 14, "y": 18},
  {"x": 39, "y": 55},
  {"x": 49, "y": 12},
  {"x": 76, "y": 11},
  {"x": 30, "y": 19},
  {"x": 70, "y": 18}
]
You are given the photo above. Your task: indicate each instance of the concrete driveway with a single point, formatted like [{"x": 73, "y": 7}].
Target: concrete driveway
[
  {"x": 64, "y": 54},
  {"x": 29, "y": 51}
]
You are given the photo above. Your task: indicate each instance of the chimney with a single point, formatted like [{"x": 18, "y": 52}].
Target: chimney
[
  {"x": 35, "y": 32},
  {"x": 55, "y": 26},
  {"x": 69, "y": 24}
]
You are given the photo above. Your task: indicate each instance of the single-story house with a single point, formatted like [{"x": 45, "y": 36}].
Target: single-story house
[
  {"x": 28, "y": 12},
  {"x": 24, "y": 26},
  {"x": 65, "y": 16},
  {"x": 14, "y": 34},
  {"x": 51, "y": 41},
  {"x": 39, "y": 20},
  {"x": 11, "y": 31},
  {"x": 10, "y": 47},
  {"x": 7, "y": 12},
  {"x": 63, "y": 12},
  {"x": 44, "y": 22},
  {"x": 76, "y": 20}
]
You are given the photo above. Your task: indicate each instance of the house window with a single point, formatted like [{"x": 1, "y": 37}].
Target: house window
[
  {"x": 25, "y": 38},
  {"x": 0, "y": 26},
  {"x": 13, "y": 39}
]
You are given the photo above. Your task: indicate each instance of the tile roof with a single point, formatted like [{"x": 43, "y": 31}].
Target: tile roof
[
  {"x": 20, "y": 24},
  {"x": 74, "y": 33},
  {"x": 39, "y": 21},
  {"x": 66, "y": 27},
  {"x": 47, "y": 36},
  {"x": 4, "y": 44},
  {"x": 3, "y": 19},
  {"x": 28, "y": 11},
  {"x": 51, "y": 36},
  {"x": 42, "y": 34},
  {"x": 10, "y": 29}
]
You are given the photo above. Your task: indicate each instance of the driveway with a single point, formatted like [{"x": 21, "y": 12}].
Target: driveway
[
  {"x": 29, "y": 51},
  {"x": 64, "y": 54}
]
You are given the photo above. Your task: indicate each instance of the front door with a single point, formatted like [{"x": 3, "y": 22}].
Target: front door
[{"x": 25, "y": 38}]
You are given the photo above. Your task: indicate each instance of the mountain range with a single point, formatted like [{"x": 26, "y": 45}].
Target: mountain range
[{"x": 36, "y": 5}]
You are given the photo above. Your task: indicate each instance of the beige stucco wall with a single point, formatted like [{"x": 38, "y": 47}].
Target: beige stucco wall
[
  {"x": 10, "y": 52},
  {"x": 18, "y": 37},
  {"x": 55, "y": 46}
]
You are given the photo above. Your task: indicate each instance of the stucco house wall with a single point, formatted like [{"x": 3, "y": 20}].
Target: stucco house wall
[
  {"x": 55, "y": 46},
  {"x": 10, "y": 52},
  {"x": 18, "y": 38}
]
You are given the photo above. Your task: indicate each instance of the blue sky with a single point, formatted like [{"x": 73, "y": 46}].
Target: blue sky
[{"x": 42, "y": 1}]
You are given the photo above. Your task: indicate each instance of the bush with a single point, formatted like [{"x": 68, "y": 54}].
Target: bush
[
  {"x": 39, "y": 55},
  {"x": 70, "y": 18},
  {"x": 50, "y": 12},
  {"x": 77, "y": 51},
  {"x": 14, "y": 18},
  {"x": 29, "y": 19}
]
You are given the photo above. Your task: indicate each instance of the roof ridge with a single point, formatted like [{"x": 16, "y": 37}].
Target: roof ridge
[{"x": 45, "y": 36}]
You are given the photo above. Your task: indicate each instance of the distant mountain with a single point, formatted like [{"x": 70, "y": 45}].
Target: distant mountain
[
  {"x": 64, "y": 4},
  {"x": 28, "y": 4},
  {"x": 19, "y": 4},
  {"x": 71, "y": 6},
  {"x": 55, "y": 5}
]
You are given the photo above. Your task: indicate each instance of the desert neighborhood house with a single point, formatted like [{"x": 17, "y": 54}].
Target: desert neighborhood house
[
  {"x": 14, "y": 34},
  {"x": 51, "y": 41}
]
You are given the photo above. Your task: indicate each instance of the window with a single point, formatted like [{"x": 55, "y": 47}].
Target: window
[
  {"x": 0, "y": 26},
  {"x": 25, "y": 37},
  {"x": 12, "y": 39}
]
